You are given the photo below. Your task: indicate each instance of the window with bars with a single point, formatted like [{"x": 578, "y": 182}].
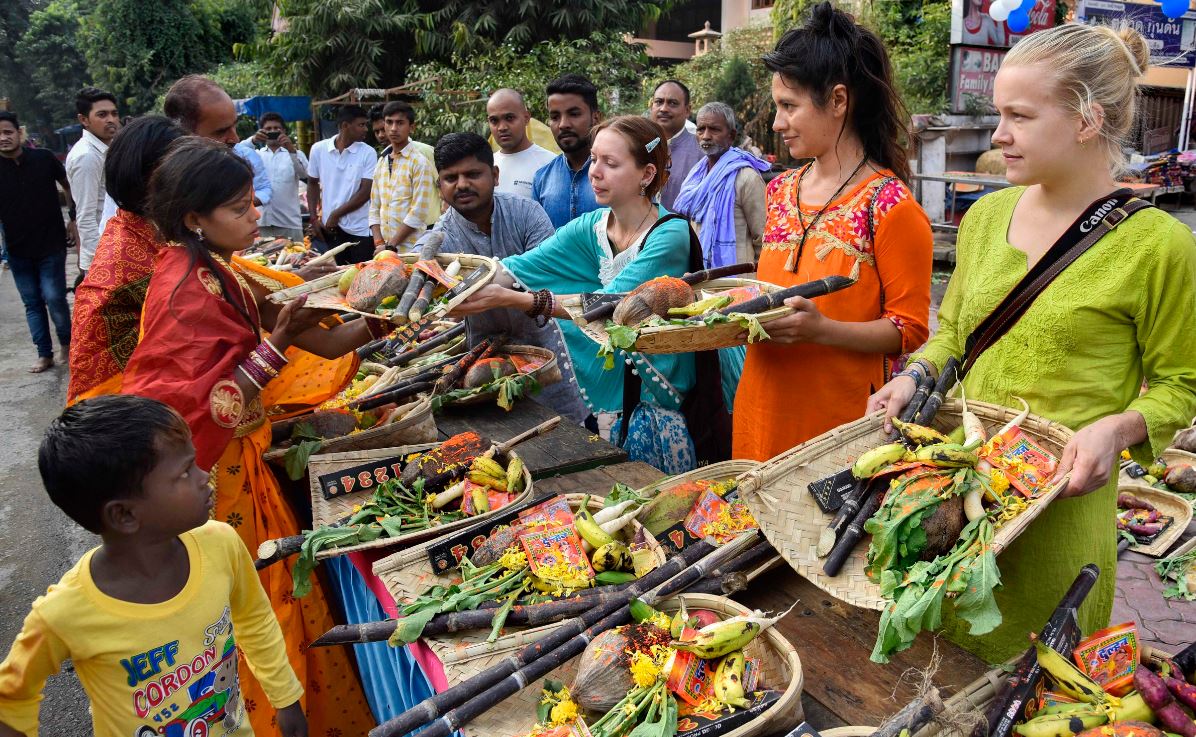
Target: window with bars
[{"x": 762, "y": 4}]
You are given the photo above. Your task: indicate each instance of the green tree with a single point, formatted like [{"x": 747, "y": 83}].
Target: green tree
[
  {"x": 49, "y": 53},
  {"x": 454, "y": 92},
  {"x": 137, "y": 49},
  {"x": 917, "y": 34},
  {"x": 14, "y": 83}
]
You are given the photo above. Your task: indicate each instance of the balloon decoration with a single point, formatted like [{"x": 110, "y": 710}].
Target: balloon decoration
[
  {"x": 999, "y": 12},
  {"x": 1174, "y": 9},
  {"x": 1018, "y": 21}
]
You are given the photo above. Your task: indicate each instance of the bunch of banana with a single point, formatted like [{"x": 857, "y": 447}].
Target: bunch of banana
[
  {"x": 877, "y": 460},
  {"x": 489, "y": 472},
  {"x": 1094, "y": 709},
  {"x": 594, "y": 536},
  {"x": 515, "y": 475},
  {"x": 479, "y": 498},
  {"x": 728, "y": 680},
  {"x": 718, "y": 639},
  {"x": 613, "y": 556},
  {"x": 946, "y": 455}
]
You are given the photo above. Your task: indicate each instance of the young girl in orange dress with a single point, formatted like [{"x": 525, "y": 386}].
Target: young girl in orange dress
[
  {"x": 847, "y": 213},
  {"x": 108, "y": 303},
  {"x": 201, "y": 352}
]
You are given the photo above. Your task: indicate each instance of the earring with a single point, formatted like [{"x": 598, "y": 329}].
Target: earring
[
  {"x": 199, "y": 234},
  {"x": 643, "y": 190}
]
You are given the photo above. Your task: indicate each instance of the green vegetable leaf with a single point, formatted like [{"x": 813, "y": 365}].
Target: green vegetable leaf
[
  {"x": 411, "y": 627},
  {"x": 297, "y": 455},
  {"x": 751, "y": 324},
  {"x": 622, "y": 336},
  {"x": 304, "y": 431},
  {"x": 500, "y": 617}
]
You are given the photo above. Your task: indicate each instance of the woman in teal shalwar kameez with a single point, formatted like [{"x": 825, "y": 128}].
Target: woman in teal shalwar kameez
[{"x": 1123, "y": 313}]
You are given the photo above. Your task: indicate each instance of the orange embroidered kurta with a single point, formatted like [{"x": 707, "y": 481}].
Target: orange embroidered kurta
[
  {"x": 107, "y": 316},
  {"x": 192, "y": 340},
  {"x": 791, "y": 393}
]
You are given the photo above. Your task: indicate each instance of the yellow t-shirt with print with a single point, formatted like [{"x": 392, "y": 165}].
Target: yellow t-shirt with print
[{"x": 165, "y": 669}]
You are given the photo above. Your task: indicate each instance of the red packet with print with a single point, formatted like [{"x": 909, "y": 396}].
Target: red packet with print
[
  {"x": 436, "y": 272},
  {"x": 553, "y": 512},
  {"x": 704, "y": 512},
  {"x": 714, "y": 516},
  {"x": 1026, "y": 464},
  {"x": 555, "y": 553}
]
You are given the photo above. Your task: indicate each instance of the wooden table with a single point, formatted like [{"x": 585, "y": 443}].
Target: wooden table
[{"x": 567, "y": 449}]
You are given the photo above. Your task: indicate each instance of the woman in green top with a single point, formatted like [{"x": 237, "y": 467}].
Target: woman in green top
[
  {"x": 612, "y": 250},
  {"x": 1122, "y": 313}
]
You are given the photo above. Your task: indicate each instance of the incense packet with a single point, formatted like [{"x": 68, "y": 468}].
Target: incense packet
[
  {"x": 1110, "y": 657},
  {"x": 555, "y": 553},
  {"x": 1026, "y": 464},
  {"x": 553, "y": 512}
]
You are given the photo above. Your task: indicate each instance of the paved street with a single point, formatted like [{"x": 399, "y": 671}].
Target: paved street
[{"x": 39, "y": 542}]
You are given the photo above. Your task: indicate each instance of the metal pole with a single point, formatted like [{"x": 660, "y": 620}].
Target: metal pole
[{"x": 1185, "y": 124}]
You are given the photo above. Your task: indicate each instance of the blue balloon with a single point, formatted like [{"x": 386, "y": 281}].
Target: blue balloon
[
  {"x": 1019, "y": 21},
  {"x": 1175, "y": 8},
  {"x": 1027, "y": 6}
]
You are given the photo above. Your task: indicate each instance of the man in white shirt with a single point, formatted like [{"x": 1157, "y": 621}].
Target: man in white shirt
[
  {"x": 286, "y": 165},
  {"x": 517, "y": 158},
  {"x": 85, "y": 168},
  {"x": 339, "y": 177}
]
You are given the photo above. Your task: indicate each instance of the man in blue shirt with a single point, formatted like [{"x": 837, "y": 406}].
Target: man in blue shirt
[
  {"x": 562, "y": 186},
  {"x": 203, "y": 108}
]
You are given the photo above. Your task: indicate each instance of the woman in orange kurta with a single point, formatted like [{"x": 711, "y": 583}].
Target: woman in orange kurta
[
  {"x": 108, "y": 303},
  {"x": 201, "y": 352},
  {"x": 847, "y": 213}
]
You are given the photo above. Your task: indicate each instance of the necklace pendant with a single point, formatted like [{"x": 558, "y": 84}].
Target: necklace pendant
[{"x": 791, "y": 262}]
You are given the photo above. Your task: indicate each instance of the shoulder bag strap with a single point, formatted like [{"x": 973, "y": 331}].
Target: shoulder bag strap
[{"x": 1098, "y": 219}]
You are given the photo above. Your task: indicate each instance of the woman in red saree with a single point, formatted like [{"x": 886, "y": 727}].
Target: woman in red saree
[
  {"x": 108, "y": 303},
  {"x": 202, "y": 353}
]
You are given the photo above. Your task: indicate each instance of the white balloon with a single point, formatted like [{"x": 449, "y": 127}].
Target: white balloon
[{"x": 999, "y": 11}]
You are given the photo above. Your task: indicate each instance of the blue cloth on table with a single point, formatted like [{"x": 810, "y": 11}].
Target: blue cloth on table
[{"x": 391, "y": 677}]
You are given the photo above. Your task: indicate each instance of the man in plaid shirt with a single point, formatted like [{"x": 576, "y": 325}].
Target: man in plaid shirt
[{"x": 403, "y": 185}]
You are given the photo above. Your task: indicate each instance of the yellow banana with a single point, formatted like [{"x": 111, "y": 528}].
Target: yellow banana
[
  {"x": 718, "y": 639},
  {"x": 643, "y": 561},
  {"x": 876, "y": 460},
  {"x": 481, "y": 502},
  {"x": 1068, "y": 679},
  {"x": 591, "y": 532},
  {"x": 1132, "y": 708},
  {"x": 515, "y": 475},
  {"x": 728, "y": 680},
  {"x": 614, "y": 556},
  {"x": 677, "y": 623},
  {"x": 483, "y": 479},
  {"x": 946, "y": 455},
  {"x": 700, "y": 307},
  {"x": 488, "y": 466},
  {"x": 919, "y": 434}
]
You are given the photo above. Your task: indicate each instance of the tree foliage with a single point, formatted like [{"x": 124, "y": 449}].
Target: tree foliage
[
  {"x": 917, "y": 34},
  {"x": 732, "y": 72},
  {"x": 454, "y": 92},
  {"x": 49, "y": 53},
  {"x": 14, "y": 82},
  {"x": 137, "y": 49}
]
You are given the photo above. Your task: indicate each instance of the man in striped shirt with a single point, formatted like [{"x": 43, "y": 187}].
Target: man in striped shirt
[{"x": 403, "y": 185}]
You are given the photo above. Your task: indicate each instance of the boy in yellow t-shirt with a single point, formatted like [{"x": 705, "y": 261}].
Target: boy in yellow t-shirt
[{"x": 148, "y": 617}]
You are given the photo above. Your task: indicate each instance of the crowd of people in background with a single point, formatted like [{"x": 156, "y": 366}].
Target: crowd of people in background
[{"x": 167, "y": 310}]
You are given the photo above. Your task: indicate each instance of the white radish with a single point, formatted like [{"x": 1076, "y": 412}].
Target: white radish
[
  {"x": 1017, "y": 421},
  {"x": 609, "y": 513},
  {"x": 973, "y": 505},
  {"x": 615, "y": 525},
  {"x": 973, "y": 428},
  {"x": 442, "y": 499},
  {"x": 453, "y": 269}
]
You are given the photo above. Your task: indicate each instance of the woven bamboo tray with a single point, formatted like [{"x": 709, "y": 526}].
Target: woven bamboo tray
[
  {"x": 780, "y": 668},
  {"x": 548, "y": 373},
  {"x": 408, "y": 573},
  {"x": 324, "y": 293},
  {"x": 685, "y": 338},
  {"x": 975, "y": 697},
  {"x": 417, "y": 426},
  {"x": 326, "y": 511},
  {"x": 1168, "y": 504},
  {"x": 778, "y": 497}
]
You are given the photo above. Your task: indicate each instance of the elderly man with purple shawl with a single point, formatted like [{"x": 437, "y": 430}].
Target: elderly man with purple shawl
[{"x": 724, "y": 193}]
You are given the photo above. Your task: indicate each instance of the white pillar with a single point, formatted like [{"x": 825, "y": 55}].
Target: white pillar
[{"x": 934, "y": 162}]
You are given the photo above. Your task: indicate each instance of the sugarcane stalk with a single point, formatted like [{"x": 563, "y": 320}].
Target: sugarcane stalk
[
  {"x": 422, "y": 300},
  {"x": 946, "y": 382},
  {"x": 852, "y": 534},
  {"x": 429, "y": 246},
  {"x": 605, "y": 309},
  {"x": 913, "y": 716},
  {"x": 427, "y": 345},
  {"x": 916, "y": 402},
  {"x": 543, "y": 613},
  {"x": 453, "y": 376},
  {"x": 408, "y": 333},
  {"x": 1062, "y": 632},
  {"x": 843, "y": 516},
  {"x": 516, "y": 670},
  {"x": 809, "y": 290}
]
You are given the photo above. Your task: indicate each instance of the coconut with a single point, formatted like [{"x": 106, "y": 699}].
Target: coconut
[
  {"x": 1185, "y": 440},
  {"x": 494, "y": 546},
  {"x": 943, "y": 527},
  {"x": 1181, "y": 478},
  {"x": 376, "y": 281},
  {"x": 604, "y": 670},
  {"x": 487, "y": 370},
  {"x": 654, "y": 297}
]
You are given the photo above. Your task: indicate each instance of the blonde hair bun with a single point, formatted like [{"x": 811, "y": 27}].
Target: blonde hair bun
[{"x": 1136, "y": 46}]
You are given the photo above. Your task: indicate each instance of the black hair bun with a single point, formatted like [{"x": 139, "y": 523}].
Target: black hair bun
[{"x": 827, "y": 20}]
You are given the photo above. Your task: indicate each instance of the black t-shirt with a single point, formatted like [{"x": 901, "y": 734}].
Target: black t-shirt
[{"x": 29, "y": 207}]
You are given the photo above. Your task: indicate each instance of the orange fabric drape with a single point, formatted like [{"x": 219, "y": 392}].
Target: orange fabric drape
[
  {"x": 791, "y": 393},
  {"x": 192, "y": 340}
]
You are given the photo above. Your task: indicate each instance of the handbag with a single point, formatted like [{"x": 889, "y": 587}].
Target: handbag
[{"x": 1097, "y": 220}]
